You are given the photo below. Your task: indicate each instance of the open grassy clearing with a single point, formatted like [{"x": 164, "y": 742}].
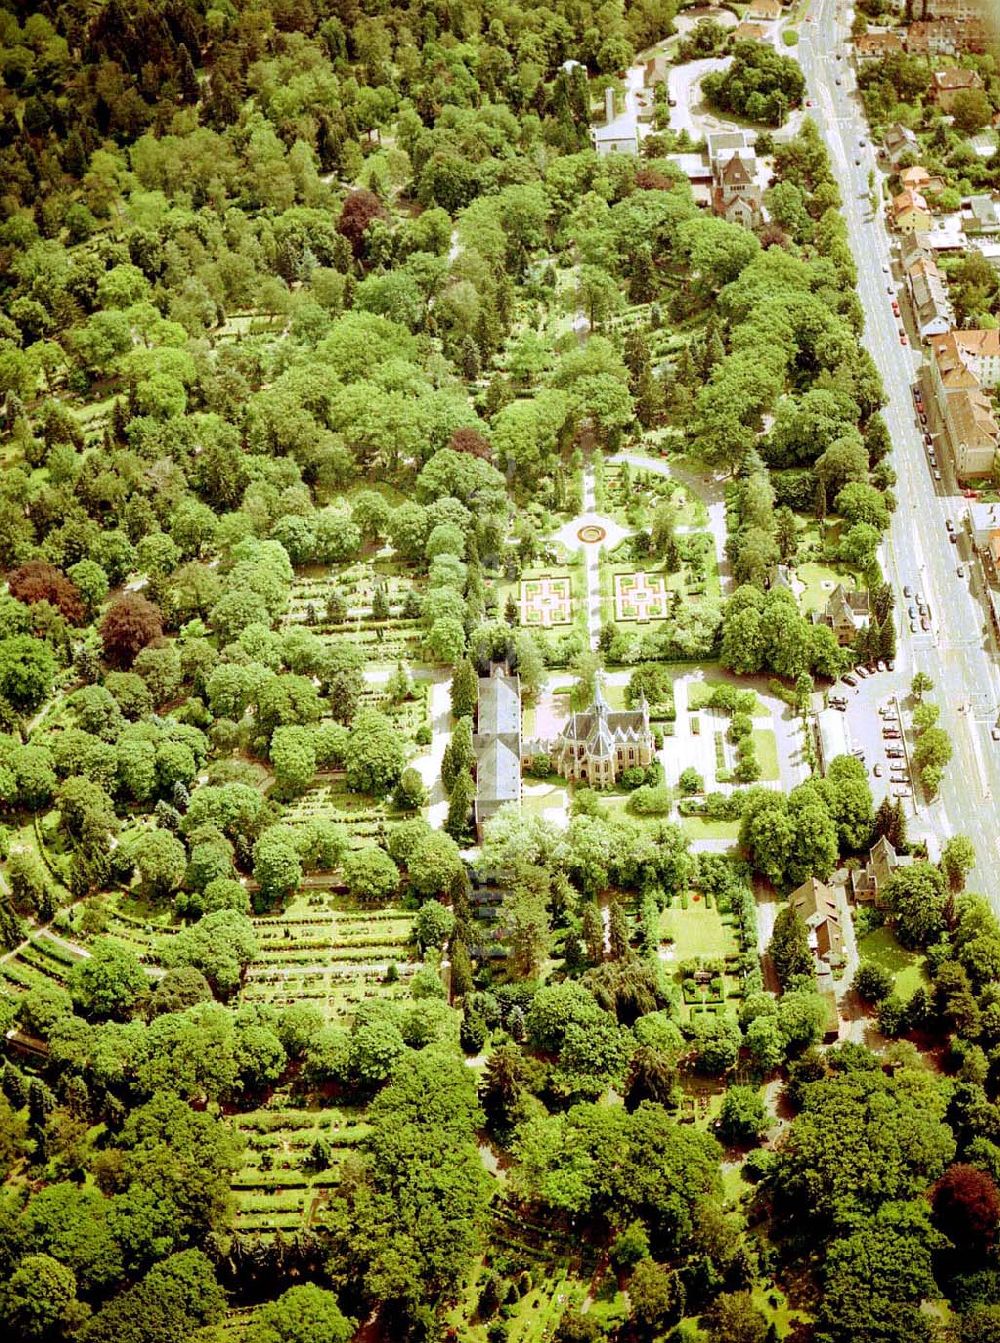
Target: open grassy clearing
[
  {"x": 908, "y": 968},
  {"x": 766, "y": 747}
]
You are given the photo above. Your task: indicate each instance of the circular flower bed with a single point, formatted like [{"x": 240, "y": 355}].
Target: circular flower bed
[{"x": 591, "y": 534}]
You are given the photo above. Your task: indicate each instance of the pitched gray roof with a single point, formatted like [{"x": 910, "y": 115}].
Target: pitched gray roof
[
  {"x": 499, "y": 705},
  {"x": 498, "y": 774}
]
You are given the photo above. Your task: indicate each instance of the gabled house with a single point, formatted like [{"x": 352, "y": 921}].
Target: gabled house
[
  {"x": 736, "y": 194},
  {"x": 946, "y": 37},
  {"x": 847, "y": 614},
  {"x": 899, "y": 141},
  {"x": 945, "y": 84},
  {"x": 817, "y": 905},
  {"x": 749, "y": 32},
  {"x": 876, "y": 46},
  {"x": 929, "y": 296},
  {"x": 918, "y": 179},
  {"x": 868, "y": 883},
  {"x": 910, "y": 213}
]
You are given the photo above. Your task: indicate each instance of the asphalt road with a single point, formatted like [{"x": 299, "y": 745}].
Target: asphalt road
[{"x": 958, "y": 652}]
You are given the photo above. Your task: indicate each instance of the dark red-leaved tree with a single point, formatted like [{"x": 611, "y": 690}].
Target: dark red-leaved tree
[
  {"x": 37, "y": 581},
  {"x": 967, "y": 1208},
  {"x": 359, "y": 209},
  {"x": 471, "y": 441},
  {"x": 651, "y": 179},
  {"x": 129, "y": 625}
]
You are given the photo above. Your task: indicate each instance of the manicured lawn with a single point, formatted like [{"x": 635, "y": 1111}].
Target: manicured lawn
[
  {"x": 906, "y": 967},
  {"x": 696, "y": 827},
  {"x": 696, "y": 931},
  {"x": 766, "y": 746},
  {"x": 816, "y": 596}
]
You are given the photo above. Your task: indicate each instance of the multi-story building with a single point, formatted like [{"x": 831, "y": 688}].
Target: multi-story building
[
  {"x": 910, "y": 213},
  {"x": 962, "y": 365},
  {"x": 497, "y": 745},
  {"x": 929, "y": 297},
  {"x": 946, "y": 37},
  {"x": 736, "y": 192}
]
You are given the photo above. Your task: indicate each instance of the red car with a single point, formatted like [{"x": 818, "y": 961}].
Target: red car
[
  {"x": 903, "y": 340},
  {"x": 895, "y": 307}
]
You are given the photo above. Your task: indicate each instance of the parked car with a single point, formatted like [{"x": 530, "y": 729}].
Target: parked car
[
  {"x": 949, "y": 524},
  {"x": 995, "y": 733},
  {"x": 877, "y": 771},
  {"x": 863, "y": 672},
  {"x": 928, "y": 440},
  {"x": 913, "y": 627},
  {"x": 925, "y": 624},
  {"x": 885, "y": 267},
  {"x": 880, "y": 666},
  {"x": 891, "y": 733},
  {"x": 937, "y": 475},
  {"x": 902, "y": 339},
  {"x": 960, "y": 572},
  {"x": 891, "y": 663},
  {"x": 907, "y": 591},
  {"x": 923, "y": 418},
  {"x": 895, "y": 305},
  {"x": 911, "y": 612},
  {"x": 894, "y": 752},
  {"x": 849, "y": 680}
]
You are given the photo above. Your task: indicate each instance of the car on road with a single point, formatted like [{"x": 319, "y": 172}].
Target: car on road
[
  {"x": 925, "y": 623},
  {"x": 902, "y": 338},
  {"x": 891, "y": 733},
  {"x": 837, "y": 82},
  {"x": 671, "y": 102},
  {"x": 880, "y": 665},
  {"x": 861, "y": 143},
  {"x": 907, "y": 591},
  {"x": 810, "y": 102},
  {"x": 919, "y": 400},
  {"x": 928, "y": 440},
  {"x": 911, "y": 612},
  {"x": 949, "y": 524},
  {"x": 919, "y": 600},
  {"x": 877, "y": 771},
  {"x": 894, "y": 752},
  {"x": 960, "y": 571},
  {"x": 891, "y": 663},
  {"x": 885, "y": 267},
  {"x": 937, "y": 475},
  {"x": 923, "y": 418},
  {"x": 913, "y": 627},
  {"x": 849, "y": 680},
  {"x": 863, "y": 672},
  {"x": 857, "y": 163},
  {"x": 995, "y": 733}
]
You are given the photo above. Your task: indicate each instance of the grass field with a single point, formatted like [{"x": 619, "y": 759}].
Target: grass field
[
  {"x": 906, "y": 967},
  {"x": 766, "y": 746},
  {"x": 819, "y": 580},
  {"x": 696, "y": 827},
  {"x": 696, "y": 931}
]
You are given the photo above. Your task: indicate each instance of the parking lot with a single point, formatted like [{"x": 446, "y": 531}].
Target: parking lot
[{"x": 873, "y": 721}]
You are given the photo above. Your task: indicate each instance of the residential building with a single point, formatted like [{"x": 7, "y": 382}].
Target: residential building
[
  {"x": 876, "y": 46},
  {"x": 598, "y": 745},
  {"x": 899, "y": 141},
  {"x": 847, "y": 613},
  {"x": 868, "y": 883},
  {"x": 918, "y": 179},
  {"x": 698, "y": 171},
  {"x": 981, "y": 214},
  {"x": 914, "y": 247},
  {"x": 497, "y": 745},
  {"x": 946, "y": 37},
  {"x": 947, "y": 83},
  {"x": 929, "y": 297},
  {"x": 963, "y": 363},
  {"x": 736, "y": 191},
  {"x": 910, "y": 213},
  {"x": 952, "y": 9},
  {"x": 764, "y": 11},
  {"x": 619, "y": 134},
  {"x": 819, "y": 909}
]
